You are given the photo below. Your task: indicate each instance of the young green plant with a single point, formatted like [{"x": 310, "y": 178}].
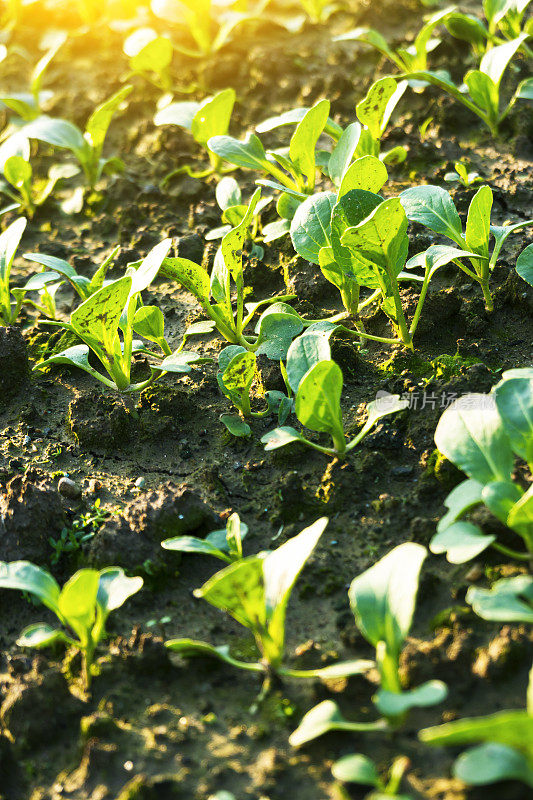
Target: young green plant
[
  {"x": 82, "y": 606},
  {"x": 224, "y": 544}
]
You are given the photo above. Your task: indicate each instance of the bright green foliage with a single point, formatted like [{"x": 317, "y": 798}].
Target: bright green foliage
[
  {"x": 115, "y": 308},
  {"x": 433, "y": 207},
  {"x": 318, "y": 10},
  {"x": 506, "y": 752},
  {"x": 408, "y": 59},
  {"x": 503, "y": 17},
  {"x": 360, "y": 769},
  {"x": 276, "y": 327},
  {"x": 462, "y": 175},
  {"x": 86, "y": 146},
  {"x": 326, "y": 717},
  {"x": 150, "y": 56},
  {"x": 28, "y": 105},
  {"x": 255, "y": 591},
  {"x": 202, "y": 17},
  {"x": 82, "y": 605},
  {"x": 383, "y": 602},
  {"x": 483, "y": 85},
  {"x": 318, "y": 408},
  {"x": 10, "y": 300},
  {"x": 508, "y": 600},
  {"x": 229, "y": 199},
  {"x": 59, "y": 269},
  {"x": 225, "y": 544},
  {"x": 204, "y": 120},
  {"x": 19, "y": 184},
  {"x": 481, "y": 434}
]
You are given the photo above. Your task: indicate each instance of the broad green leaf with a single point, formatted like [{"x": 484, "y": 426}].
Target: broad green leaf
[
  {"x": 100, "y": 119},
  {"x": 27, "y": 577},
  {"x": 76, "y": 356},
  {"x": 356, "y": 768},
  {"x": 239, "y": 375},
  {"x": 520, "y": 517},
  {"x": 510, "y": 728},
  {"x": 77, "y": 601},
  {"x": 466, "y": 27},
  {"x": 326, "y": 717},
  {"x": 381, "y": 239},
  {"x": 461, "y": 542},
  {"x": 213, "y": 116},
  {"x": 483, "y": 91},
  {"x": 280, "y": 437},
  {"x": 311, "y": 225},
  {"x": 318, "y": 400},
  {"x": 383, "y": 598},
  {"x": 248, "y": 154},
  {"x": 306, "y": 351},
  {"x": 18, "y": 172},
  {"x": 491, "y": 763},
  {"x": 343, "y": 153},
  {"x": 96, "y": 320},
  {"x": 394, "y": 704},
  {"x": 142, "y": 277},
  {"x": 514, "y": 401},
  {"x": 436, "y": 256},
  {"x": 295, "y": 115},
  {"x": 373, "y": 110},
  {"x": 9, "y": 241},
  {"x": 461, "y": 499},
  {"x": 495, "y": 61},
  {"x": 235, "y": 425},
  {"x": 342, "y": 669},
  {"x": 524, "y": 264},
  {"x": 114, "y": 588},
  {"x": 351, "y": 209},
  {"x": 233, "y": 242},
  {"x": 155, "y": 56},
  {"x": 15, "y": 145},
  {"x": 191, "y": 276},
  {"x": 178, "y": 362},
  {"x": 149, "y": 323},
  {"x": 191, "y": 544},
  {"x": 471, "y": 435},
  {"x": 57, "y": 132},
  {"x": 369, "y": 36},
  {"x": 238, "y": 589},
  {"x": 181, "y": 114},
  {"x": 305, "y": 137},
  {"x": 40, "y": 635},
  {"x": 433, "y": 207},
  {"x": 276, "y": 331},
  {"x": 478, "y": 222},
  {"x": 228, "y": 193},
  {"x": 385, "y": 405},
  {"x": 508, "y": 600},
  {"x": 189, "y": 648},
  {"x": 367, "y": 173},
  {"x": 495, "y": 10}
]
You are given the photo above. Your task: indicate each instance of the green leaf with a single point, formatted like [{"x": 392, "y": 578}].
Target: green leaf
[
  {"x": 326, "y": 717},
  {"x": 318, "y": 401},
  {"x": 305, "y": 137},
  {"x": 236, "y": 425},
  {"x": 149, "y": 323},
  {"x": 179, "y": 362},
  {"x": 18, "y": 172},
  {"x": 367, "y": 173},
  {"x": 27, "y": 577},
  {"x": 509, "y": 728},
  {"x": 436, "y": 256},
  {"x": 351, "y": 209},
  {"x": 9, "y": 241},
  {"x": 373, "y": 111},
  {"x": 343, "y": 152},
  {"x": 368, "y": 36},
  {"x": 467, "y": 28},
  {"x": 520, "y": 517},
  {"x": 238, "y": 589},
  {"x": 311, "y": 225},
  {"x": 189, "y": 648},
  {"x": 514, "y": 401},
  {"x": 181, "y": 114},
  {"x": 248, "y": 154},
  {"x": 483, "y": 91},
  {"x": 191, "y": 544},
  {"x": 233, "y": 242},
  {"x": 356, "y": 768},
  {"x": 228, "y": 193},
  {"x": 213, "y": 116},
  {"x": 114, "y": 588},
  {"x": 383, "y": 598},
  {"x": 524, "y": 264},
  {"x": 155, "y": 56},
  {"x": 77, "y": 602},
  {"x": 394, "y": 704},
  {"x": 478, "y": 222},
  {"x": 381, "y": 239},
  {"x": 471, "y": 435},
  {"x": 491, "y": 763},
  {"x": 99, "y": 121},
  {"x": 461, "y": 542},
  {"x": 495, "y": 61},
  {"x": 41, "y": 635},
  {"x": 76, "y": 356},
  {"x": 96, "y": 320},
  {"x": 57, "y": 132},
  {"x": 239, "y": 375},
  {"x": 461, "y": 499},
  {"x": 306, "y": 351},
  {"x": 276, "y": 331},
  {"x": 142, "y": 277},
  {"x": 508, "y": 600},
  {"x": 433, "y": 207},
  {"x": 191, "y": 276},
  {"x": 280, "y": 437}
]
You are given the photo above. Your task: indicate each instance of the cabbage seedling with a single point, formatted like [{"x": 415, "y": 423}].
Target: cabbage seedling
[
  {"x": 113, "y": 308},
  {"x": 276, "y": 327},
  {"x": 86, "y": 146},
  {"x": 326, "y": 717},
  {"x": 433, "y": 207},
  {"x": 255, "y": 591},
  {"x": 502, "y": 17},
  {"x": 82, "y": 606},
  {"x": 59, "y": 268},
  {"x": 318, "y": 408},
  {"x": 383, "y": 602},
  {"x": 461, "y": 175},
  {"x": 508, "y": 600},
  {"x": 481, "y": 434},
  {"x": 229, "y": 199},
  {"x": 203, "y": 120},
  {"x": 408, "y": 59},
  {"x": 19, "y": 184},
  {"x": 150, "y": 56},
  {"x": 224, "y": 544},
  {"x": 28, "y": 105},
  {"x": 506, "y": 752},
  {"x": 360, "y": 769},
  {"x": 482, "y": 95}
]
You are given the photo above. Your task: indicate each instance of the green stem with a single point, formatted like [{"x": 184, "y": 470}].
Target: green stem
[{"x": 507, "y": 551}]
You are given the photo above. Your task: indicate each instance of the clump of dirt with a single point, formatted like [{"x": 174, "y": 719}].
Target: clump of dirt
[
  {"x": 135, "y": 537},
  {"x": 31, "y": 512},
  {"x": 101, "y": 421},
  {"x": 14, "y": 365}
]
